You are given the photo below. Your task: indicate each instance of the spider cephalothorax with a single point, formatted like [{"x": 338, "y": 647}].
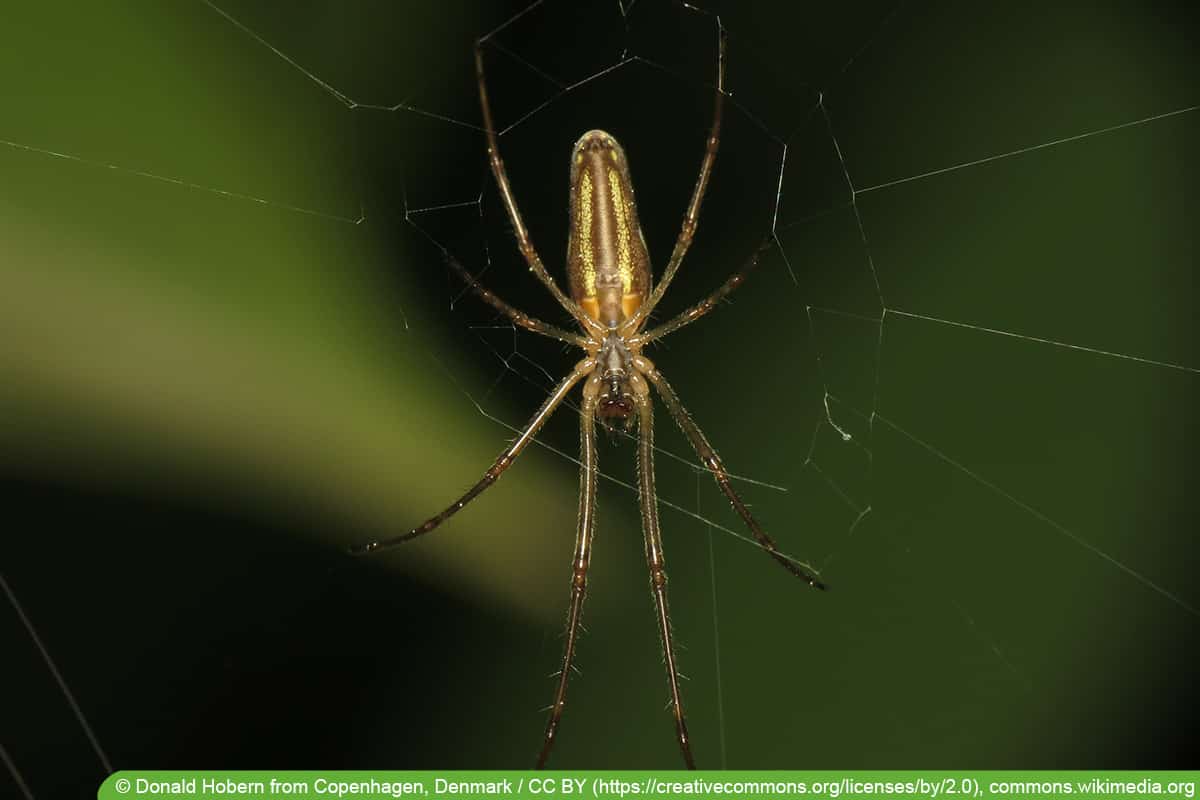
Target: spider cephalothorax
[
  {"x": 612, "y": 296},
  {"x": 614, "y": 366}
]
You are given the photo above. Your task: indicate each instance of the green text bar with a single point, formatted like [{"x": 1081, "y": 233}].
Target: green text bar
[{"x": 452, "y": 785}]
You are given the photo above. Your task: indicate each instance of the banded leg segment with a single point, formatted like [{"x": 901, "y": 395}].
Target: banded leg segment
[
  {"x": 515, "y": 314},
  {"x": 524, "y": 243},
  {"x": 583, "y": 556},
  {"x": 707, "y": 304},
  {"x": 656, "y": 561},
  {"x": 709, "y": 458},
  {"x": 691, "y": 219},
  {"x": 582, "y": 369}
]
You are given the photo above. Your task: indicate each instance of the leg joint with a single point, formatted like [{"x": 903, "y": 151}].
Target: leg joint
[
  {"x": 579, "y": 575},
  {"x": 658, "y": 577}
]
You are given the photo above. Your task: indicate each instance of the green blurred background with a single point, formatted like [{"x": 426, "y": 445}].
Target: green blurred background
[{"x": 225, "y": 355}]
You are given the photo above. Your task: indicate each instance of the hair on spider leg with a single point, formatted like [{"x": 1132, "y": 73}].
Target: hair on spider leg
[
  {"x": 563, "y": 634},
  {"x": 558, "y": 673}
]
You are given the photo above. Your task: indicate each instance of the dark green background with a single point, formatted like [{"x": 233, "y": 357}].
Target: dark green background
[{"x": 205, "y": 398}]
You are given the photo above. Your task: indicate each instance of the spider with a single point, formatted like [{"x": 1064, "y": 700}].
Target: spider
[{"x": 612, "y": 297}]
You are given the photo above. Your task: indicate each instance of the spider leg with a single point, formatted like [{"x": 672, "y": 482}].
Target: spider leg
[
  {"x": 656, "y": 561},
  {"x": 524, "y": 243},
  {"x": 583, "y": 555},
  {"x": 691, "y": 219},
  {"x": 581, "y": 370},
  {"x": 518, "y": 316},
  {"x": 707, "y": 304},
  {"x": 709, "y": 458}
]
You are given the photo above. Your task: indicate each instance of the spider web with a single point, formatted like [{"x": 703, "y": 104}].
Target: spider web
[{"x": 961, "y": 384}]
